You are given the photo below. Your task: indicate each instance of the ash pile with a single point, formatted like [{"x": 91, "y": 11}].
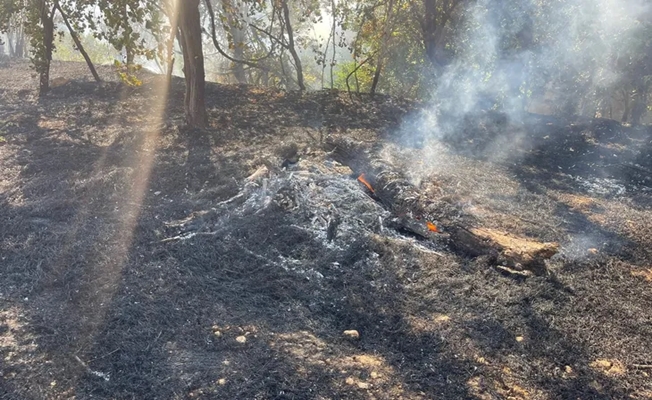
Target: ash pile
[
  {"x": 291, "y": 213},
  {"x": 296, "y": 215}
]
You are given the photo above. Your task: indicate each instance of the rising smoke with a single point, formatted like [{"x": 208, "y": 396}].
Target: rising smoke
[
  {"x": 512, "y": 52},
  {"x": 563, "y": 57}
]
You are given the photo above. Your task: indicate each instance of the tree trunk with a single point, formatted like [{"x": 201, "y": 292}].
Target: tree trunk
[
  {"x": 428, "y": 29},
  {"x": 47, "y": 22},
  {"x": 193, "y": 63},
  {"x": 639, "y": 108},
  {"x": 625, "y": 116},
  {"x": 10, "y": 39},
  {"x": 290, "y": 46},
  {"x": 126, "y": 35},
  {"x": 414, "y": 212},
  {"x": 436, "y": 16},
  {"x": 333, "y": 34},
  {"x": 238, "y": 41},
  {"x": 78, "y": 44},
  {"x": 20, "y": 43},
  {"x": 374, "y": 82},
  {"x": 174, "y": 33},
  {"x": 384, "y": 44}
]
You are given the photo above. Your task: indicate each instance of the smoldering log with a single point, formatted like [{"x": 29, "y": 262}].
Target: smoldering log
[{"x": 411, "y": 209}]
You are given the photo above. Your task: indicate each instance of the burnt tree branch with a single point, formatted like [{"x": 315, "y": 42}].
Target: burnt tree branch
[
  {"x": 411, "y": 211},
  {"x": 75, "y": 38}
]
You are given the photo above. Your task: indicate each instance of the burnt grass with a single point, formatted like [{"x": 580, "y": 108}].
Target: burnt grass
[{"x": 97, "y": 302}]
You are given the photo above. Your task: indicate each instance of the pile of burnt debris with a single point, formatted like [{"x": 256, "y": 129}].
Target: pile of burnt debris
[{"x": 348, "y": 189}]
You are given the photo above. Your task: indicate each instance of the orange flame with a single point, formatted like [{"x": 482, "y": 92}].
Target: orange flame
[
  {"x": 431, "y": 227},
  {"x": 362, "y": 180}
]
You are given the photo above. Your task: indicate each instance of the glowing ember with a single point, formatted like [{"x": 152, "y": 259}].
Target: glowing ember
[
  {"x": 431, "y": 227},
  {"x": 362, "y": 179}
]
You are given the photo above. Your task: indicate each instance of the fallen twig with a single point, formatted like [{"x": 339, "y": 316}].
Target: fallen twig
[{"x": 90, "y": 371}]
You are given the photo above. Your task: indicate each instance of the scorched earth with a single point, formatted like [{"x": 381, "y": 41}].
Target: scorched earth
[{"x": 142, "y": 260}]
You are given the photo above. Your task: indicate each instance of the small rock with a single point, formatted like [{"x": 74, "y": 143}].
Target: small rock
[
  {"x": 363, "y": 385},
  {"x": 350, "y": 381},
  {"x": 519, "y": 338},
  {"x": 351, "y": 334},
  {"x": 221, "y": 381},
  {"x": 241, "y": 339}
]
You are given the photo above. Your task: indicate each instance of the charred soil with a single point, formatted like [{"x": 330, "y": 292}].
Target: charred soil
[{"x": 139, "y": 259}]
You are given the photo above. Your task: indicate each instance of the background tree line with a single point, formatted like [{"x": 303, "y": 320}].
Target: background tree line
[{"x": 583, "y": 57}]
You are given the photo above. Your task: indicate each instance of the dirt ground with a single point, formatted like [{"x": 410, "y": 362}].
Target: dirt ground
[{"x": 140, "y": 260}]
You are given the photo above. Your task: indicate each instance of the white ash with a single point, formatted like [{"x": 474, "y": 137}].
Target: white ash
[{"x": 314, "y": 192}]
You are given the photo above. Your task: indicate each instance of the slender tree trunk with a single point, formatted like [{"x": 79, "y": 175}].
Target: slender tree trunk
[
  {"x": 437, "y": 14},
  {"x": 290, "y": 47},
  {"x": 10, "y": 39},
  {"x": 78, "y": 43},
  {"x": 625, "y": 116},
  {"x": 639, "y": 108},
  {"x": 47, "y": 22},
  {"x": 374, "y": 82},
  {"x": 126, "y": 34},
  {"x": 20, "y": 43},
  {"x": 333, "y": 33},
  {"x": 383, "y": 49},
  {"x": 174, "y": 32},
  {"x": 238, "y": 37},
  {"x": 193, "y": 63},
  {"x": 428, "y": 29}
]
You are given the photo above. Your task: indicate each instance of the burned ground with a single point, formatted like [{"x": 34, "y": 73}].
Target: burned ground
[{"x": 142, "y": 260}]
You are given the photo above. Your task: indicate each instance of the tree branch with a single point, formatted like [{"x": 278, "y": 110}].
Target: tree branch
[
  {"x": 77, "y": 42},
  {"x": 251, "y": 63}
]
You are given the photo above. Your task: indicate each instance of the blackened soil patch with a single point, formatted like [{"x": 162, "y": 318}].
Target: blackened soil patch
[{"x": 138, "y": 260}]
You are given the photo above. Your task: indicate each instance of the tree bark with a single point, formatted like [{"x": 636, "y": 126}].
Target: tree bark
[
  {"x": 47, "y": 22},
  {"x": 10, "y": 39},
  {"x": 639, "y": 108},
  {"x": 127, "y": 31},
  {"x": 436, "y": 15},
  {"x": 429, "y": 29},
  {"x": 238, "y": 38},
  {"x": 412, "y": 210},
  {"x": 20, "y": 44},
  {"x": 290, "y": 45},
  {"x": 626, "y": 100},
  {"x": 374, "y": 82},
  {"x": 89, "y": 62},
  {"x": 333, "y": 34},
  {"x": 383, "y": 50},
  {"x": 174, "y": 33},
  {"x": 193, "y": 63}
]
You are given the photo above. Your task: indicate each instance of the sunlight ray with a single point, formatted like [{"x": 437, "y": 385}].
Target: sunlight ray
[{"x": 104, "y": 272}]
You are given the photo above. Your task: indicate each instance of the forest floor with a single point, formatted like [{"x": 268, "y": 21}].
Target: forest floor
[{"x": 140, "y": 260}]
